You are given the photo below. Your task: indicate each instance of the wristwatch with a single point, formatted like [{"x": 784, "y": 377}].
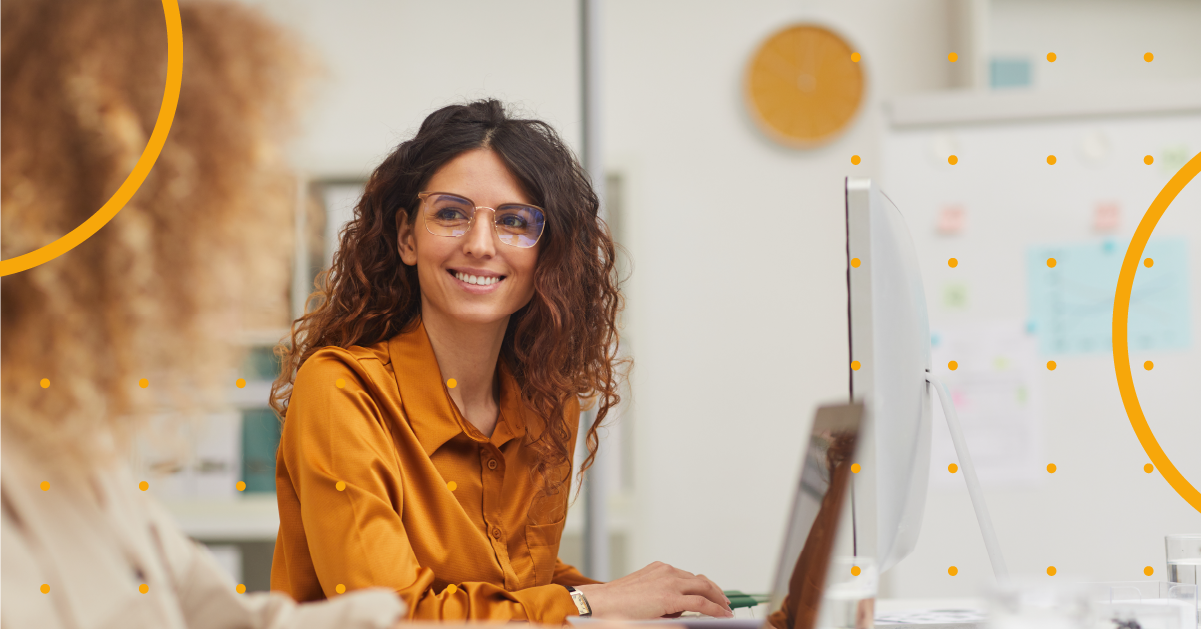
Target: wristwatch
[{"x": 581, "y": 603}]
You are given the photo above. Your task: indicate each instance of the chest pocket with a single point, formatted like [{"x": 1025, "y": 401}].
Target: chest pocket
[
  {"x": 544, "y": 531},
  {"x": 543, "y": 541}
]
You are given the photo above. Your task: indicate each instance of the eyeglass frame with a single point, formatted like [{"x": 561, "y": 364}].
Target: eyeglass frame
[{"x": 424, "y": 196}]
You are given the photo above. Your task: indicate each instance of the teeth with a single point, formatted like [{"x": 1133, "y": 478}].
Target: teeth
[{"x": 478, "y": 281}]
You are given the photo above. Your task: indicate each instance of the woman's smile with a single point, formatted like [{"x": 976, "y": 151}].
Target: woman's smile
[{"x": 476, "y": 281}]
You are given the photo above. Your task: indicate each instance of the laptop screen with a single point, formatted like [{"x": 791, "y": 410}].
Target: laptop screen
[{"x": 815, "y": 517}]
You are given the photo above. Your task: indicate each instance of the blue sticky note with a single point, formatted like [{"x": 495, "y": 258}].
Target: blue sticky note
[{"x": 1071, "y": 304}]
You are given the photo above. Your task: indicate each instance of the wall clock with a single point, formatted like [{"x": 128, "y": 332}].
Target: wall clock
[{"x": 804, "y": 85}]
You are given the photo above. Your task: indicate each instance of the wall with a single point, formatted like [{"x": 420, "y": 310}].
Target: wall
[
  {"x": 1098, "y": 41},
  {"x": 737, "y": 303},
  {"x": 390, "y": 63}
]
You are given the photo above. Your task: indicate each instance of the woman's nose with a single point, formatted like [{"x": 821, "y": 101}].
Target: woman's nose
[{"x": 480, "y": 241}]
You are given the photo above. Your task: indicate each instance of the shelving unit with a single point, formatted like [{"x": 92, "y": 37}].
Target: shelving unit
[{"x": 250, "y": 518}]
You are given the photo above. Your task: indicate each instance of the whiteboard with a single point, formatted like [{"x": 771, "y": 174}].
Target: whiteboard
[{"x": 1002, "y": 312}]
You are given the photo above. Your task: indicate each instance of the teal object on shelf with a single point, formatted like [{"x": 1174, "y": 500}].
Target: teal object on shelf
[{"x": 260, "y": 441}]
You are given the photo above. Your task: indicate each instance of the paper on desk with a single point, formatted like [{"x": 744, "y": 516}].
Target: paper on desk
[
  {"x": 994, "y": 392},
  {"x": 931, "y": 616}
]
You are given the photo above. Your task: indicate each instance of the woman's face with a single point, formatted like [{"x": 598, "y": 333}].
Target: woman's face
[{"x": 505, "y": 274}]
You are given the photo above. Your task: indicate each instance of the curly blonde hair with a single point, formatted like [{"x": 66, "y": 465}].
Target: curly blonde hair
[{"x": 200, "y": 250}]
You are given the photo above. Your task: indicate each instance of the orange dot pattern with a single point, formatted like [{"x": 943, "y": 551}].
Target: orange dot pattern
[
  {"x": 1148, "y": 160},
  {"x": 340, "y": 485},
  {"x": 1051, "y": 263},
  {"x": 241, "y": 486},
  {"x": 1051, "y": 57},
  {"x": 1051, "y": 365},
  {"x": 953, "y": 57},
  {"x": 340, "y": 589},
  {"x": 240, "y": 383},
  {"x": 855, "y": 262},
  {"x": 952, "y": 468},
  {"x": 1148, "y": 571},
  {"x": 452, "y": 588},
  {"x": 855, "y": 365},
  {"x": 1148, "y": 468},
  {"x": 452, "y": 383},
  {"x": 1148, "y": 365},
  {"x": 45, "y": 382},
  {"x": 340, "y": 383},
  {"x": 952, "y": 571},
  {"x": 143, "y": 485},
  {"x": 952, "y": 365},
  {"x": 855, "y": 57},
  {"x": 143, "y": 588},
  {"x": 855, "y": 468},
  {"x": 45, "y": 588},
  {"x": 952, "y": 160},
  {"x": 1148, "y": 263},
  {"x": 855, "y": 160},
  {"x": 143, "y": 383},
  {"x": 855, "y": 570},
  {"x": 241, "y": 589},
  {"x": 1051, "y": 468},
  {"x": 452, "y": 485},
  {"x": 1148, "y": 57},
  {"x": 1051, "y": 160},
  {"x": 953, "y": 262},
  {"x": 1051, "y": 571},
  {"x": 45, "y": 485}
]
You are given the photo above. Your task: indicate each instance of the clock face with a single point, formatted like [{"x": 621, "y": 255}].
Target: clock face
[{"x": 803, "y": 87}]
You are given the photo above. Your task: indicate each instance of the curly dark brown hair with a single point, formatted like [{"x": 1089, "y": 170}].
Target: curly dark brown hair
[{"x": 560, "y": 346}]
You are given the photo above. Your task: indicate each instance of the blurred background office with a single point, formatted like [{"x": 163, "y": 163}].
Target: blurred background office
[{"x": 735, "y": 231}]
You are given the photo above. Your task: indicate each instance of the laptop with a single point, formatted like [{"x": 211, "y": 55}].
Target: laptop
[{"x": 818, "y": 503}]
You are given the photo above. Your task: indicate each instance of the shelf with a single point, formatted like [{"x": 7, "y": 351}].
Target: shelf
[{"x": 246, "y": 518}]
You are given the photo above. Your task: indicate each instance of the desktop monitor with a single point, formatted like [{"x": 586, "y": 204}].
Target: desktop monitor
[{"x": 890, "y": 358}]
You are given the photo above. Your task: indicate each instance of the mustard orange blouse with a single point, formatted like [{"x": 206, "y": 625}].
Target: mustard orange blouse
[{"x": 382, "y": 482}]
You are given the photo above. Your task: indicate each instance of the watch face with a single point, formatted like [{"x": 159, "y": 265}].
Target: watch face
[{"x": 581, "y": 603}]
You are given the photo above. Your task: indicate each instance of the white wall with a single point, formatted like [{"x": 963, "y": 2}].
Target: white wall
[
  {"x": 389, "y": 63},
  {"x": 1099, "y": 41},
  {"x": 737, "y": 304}
]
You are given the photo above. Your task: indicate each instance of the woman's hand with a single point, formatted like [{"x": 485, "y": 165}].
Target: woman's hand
[{"x": 655, "y": 591}]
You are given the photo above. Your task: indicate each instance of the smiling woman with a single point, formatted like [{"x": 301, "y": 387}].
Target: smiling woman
[{"x": 470, "y": 306}]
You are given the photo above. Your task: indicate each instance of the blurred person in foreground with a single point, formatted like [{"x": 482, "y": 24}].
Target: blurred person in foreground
[{"x": 155, "y": 294}]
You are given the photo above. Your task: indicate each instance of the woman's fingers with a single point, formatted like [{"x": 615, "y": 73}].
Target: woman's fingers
[
  {"x": 702, "y": 605},
  {"x": 716, "y": 589},
  {"x": 700, "y": 586}
]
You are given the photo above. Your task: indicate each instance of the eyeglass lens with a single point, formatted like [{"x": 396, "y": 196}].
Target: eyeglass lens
[{"x": 516, "y": 225}]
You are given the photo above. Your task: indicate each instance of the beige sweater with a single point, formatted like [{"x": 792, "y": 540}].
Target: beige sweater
[{"x": 95, "y": 542}]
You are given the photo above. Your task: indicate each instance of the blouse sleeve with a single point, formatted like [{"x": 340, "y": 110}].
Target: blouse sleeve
[
  {"x": 344, "y": 468},
  {"x": 208, "y": 600},
  {"x": 566, "y": 574}
]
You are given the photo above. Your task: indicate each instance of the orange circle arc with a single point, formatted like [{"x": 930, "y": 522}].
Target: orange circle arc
[
  {"x": 1121, "y": 320},
  {"x": 158, "y": 138}
]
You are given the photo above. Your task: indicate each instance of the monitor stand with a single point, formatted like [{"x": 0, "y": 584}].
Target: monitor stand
[{"x": 973, "y": 483}]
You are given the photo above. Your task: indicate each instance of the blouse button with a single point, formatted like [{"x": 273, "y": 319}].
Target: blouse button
[
  {"x": 492, "y": 464},
  {"x": 496, "y": 532}
]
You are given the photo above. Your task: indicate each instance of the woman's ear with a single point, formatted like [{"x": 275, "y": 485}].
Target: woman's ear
[{"x": 406, "y": 240}]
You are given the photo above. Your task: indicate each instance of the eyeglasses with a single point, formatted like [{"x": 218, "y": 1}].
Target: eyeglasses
[{"x": 451, "y": 215}]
